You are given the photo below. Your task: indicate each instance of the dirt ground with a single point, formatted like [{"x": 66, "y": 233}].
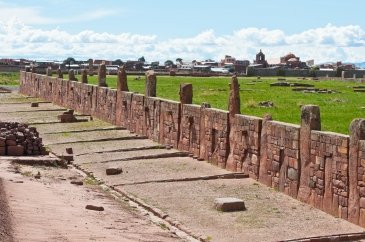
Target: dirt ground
[
  {"x": 5, "y": 221},
  {"x": 52, "y": 209}
]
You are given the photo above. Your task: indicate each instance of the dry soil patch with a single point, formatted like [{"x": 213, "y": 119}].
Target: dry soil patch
[{"x": 52, "y": 209}]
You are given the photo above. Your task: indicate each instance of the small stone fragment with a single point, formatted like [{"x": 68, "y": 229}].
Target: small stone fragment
[
  {"x": 95, "y": 208},
  {"x": 38, "y": 176},
  {"x": 79, "y": 183},
  {"x": 113, "y": 171},
  {"x": 229, "y": 204}
]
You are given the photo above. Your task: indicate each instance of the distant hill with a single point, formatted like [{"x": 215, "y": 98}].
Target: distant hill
[{"x": 361, "y": 65}]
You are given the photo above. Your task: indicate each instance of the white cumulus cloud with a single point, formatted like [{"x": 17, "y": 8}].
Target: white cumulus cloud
[{"x": 328, "y": 43}]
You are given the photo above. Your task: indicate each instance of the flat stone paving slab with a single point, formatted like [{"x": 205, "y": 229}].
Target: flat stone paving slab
[
  {"x": 27, "y": 107},
  {"x": 80, "y": 148},
  {"x": 154, "y": 169},
  {"x": 67, "y": 127},
  {"x": 109, "y": 156},
  {"x": 33, "y": 117},
  {"x": 270, "y": 215},
  {"x": 84, "y": 136}
]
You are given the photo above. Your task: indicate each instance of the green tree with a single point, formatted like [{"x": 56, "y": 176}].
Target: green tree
[
  {"x": 179, "y": 60},
  {"x": 169, "y": 63},
  {"x": 118, "y": 62},
  {"x": 69, "y": 61},
  {"x": 142, "y": 59}
]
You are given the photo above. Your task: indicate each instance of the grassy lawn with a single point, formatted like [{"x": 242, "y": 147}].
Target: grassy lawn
[
  {"x": 337, "y": 109},
  {"x": 9, "y": 78}
]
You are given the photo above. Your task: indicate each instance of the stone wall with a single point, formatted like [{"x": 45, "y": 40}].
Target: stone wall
[
  {"x": 279, "y": 164},
  {"x": 214, "y": 145},
  {"x": 246, "y": 144},
  {"x": 329, "y": 181},
  {"x": 323, "y": 169},
  {"x": 190, "y": 129}
]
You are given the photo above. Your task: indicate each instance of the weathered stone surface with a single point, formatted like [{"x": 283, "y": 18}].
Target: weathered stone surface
[
  {"x": 186, "y": 93},
  {"x": 113, "y": 171},
  {"x": 49, "y": 71},
  {"x": 293, "y": 174},
  {"x": 59, "y": 73},
  {"x": 310, "y": 120},
  {"x": 151, "y": 82},
  {"x": 2, "y": 150},
  {"x": 122, "y": 83},
  {"x": 229, "y": 204},
  {"x": 84, "y": 76},
  {"x": 357, "y": 133},
  {"x": 102, "y": 75},
  {"x": 71, "y": 75},
  {"x": 67, "y": 117}
]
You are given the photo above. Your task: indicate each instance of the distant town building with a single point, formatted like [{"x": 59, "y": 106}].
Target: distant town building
[
  {"x": 260, "y": 60},
  {"x": 230, "y": 63},
  {"x": 293, "y": 62}
]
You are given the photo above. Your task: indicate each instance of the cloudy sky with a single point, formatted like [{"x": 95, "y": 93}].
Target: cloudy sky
[{"x": 323, "y": 30}]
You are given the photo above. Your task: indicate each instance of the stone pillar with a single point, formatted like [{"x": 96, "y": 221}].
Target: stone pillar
[
  {"x": 71, "y": 75},
  {"x": 203, "y": 147},
  {"x": 186, "y": 93},
  {"x": 234, "y": 98},
  {"x": 343, "y": 75},
  {"x": 49, "y": 71},
  {"x": 84, "y": 76},
  {"x": 102, "y": 75},
  {"x": 233, "y": 108},
  {"x": 91, "y": 67},
  {"x": 265, "y": 164},
  {"x": 59, "y": 73},
  {"x": 357, "y": 133},
  {"x": 122, "y": 83},
  {"x": 310, "y": 120},
  {"x": 150, "y": 87}
]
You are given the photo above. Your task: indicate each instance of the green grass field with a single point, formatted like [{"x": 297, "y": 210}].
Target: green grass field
[
  {"x": 9, "y": 78},
  {"x": 337, "y": 109}
]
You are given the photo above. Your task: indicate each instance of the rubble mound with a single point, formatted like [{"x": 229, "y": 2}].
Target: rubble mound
[{"x": 17, "y": 139}]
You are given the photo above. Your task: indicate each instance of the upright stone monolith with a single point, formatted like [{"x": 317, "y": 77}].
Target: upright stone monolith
[
  {"x": 91, "y": 67},
  {"x": 122, "y": 83},
  {"x": 49, "y": 71},
  {"x": 150, "y": 88},
  {"x": 310, "y": 120},
  {"x": 265, "y": 163},
  {"x": 233, "y": 108},
  {"x": 186, "y": 93},
  {"x": 59, "y": 73},
  {"x": 84, "y": 76},
  {"x": 357, "y": 133},
  {"x": 71, "y": 75},
  {"x": 102, "y": 75}
]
